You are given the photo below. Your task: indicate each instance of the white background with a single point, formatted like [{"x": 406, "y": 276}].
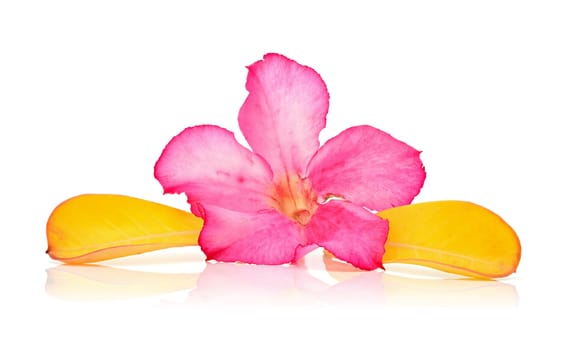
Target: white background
[{"x": 90, "y": 92}]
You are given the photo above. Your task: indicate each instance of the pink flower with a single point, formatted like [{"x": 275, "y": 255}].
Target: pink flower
[{"x": 288, "y": 196}]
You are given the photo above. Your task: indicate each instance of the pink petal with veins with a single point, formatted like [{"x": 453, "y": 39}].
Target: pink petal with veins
[
  {"x": 265, "y": 237},
  {"x": 210, "y": 166},
  {"x": 369, "y": 167},
  {"x": 284, "y": 112},
  {"x": 349, "y": 232}
]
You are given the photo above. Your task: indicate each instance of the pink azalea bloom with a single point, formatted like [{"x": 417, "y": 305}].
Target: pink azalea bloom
[{"x": 288, "y": 195}]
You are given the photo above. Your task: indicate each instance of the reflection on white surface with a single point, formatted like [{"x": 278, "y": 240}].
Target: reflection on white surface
[{"x": 224, "y": 284}]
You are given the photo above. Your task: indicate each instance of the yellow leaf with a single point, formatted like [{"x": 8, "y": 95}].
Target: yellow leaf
[
  {"x": 452, "y": 236},
  {"x": 95, "y": 227}
]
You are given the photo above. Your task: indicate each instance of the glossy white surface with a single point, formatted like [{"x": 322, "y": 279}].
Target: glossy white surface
[{"x": 91, "y": 92}]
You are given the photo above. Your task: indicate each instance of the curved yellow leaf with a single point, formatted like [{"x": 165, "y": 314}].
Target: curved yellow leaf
[
  {"x": 95, "y": 227},
  {"x": 452, "y": 236}
]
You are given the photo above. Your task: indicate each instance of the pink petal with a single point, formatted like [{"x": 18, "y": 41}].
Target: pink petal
[
  {"x": 284, "y": 112},
  {"x": 349, "y": 232},
  {"x": 368, "y": 167},
  {"x": 210, "y": 166},
  {"x": 265, "y": 237}
]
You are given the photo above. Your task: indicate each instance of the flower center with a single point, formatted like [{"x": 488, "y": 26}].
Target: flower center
[{"x": 294, "y": 197}]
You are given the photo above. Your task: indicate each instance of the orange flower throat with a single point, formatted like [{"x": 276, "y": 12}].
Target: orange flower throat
[{"x": 294, "y": 197}]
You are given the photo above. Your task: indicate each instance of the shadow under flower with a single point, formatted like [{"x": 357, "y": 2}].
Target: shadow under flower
[
  {"x": 250, "y": 285},
  {"x": 242, "y": 285}
]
